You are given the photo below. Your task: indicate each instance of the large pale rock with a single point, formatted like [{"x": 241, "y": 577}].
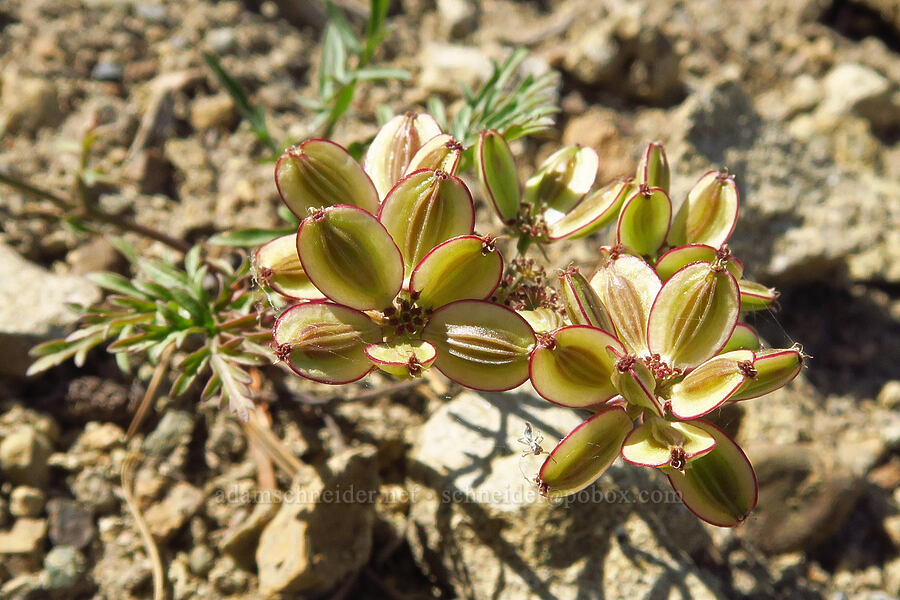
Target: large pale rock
[
  {"x": 33, "y": 308},
  {"x": 803, "y": 217},
  {"x": 27, "y": 104},
  {"x": 323, "y": 530},
  {"x": 479, "y": 524}
]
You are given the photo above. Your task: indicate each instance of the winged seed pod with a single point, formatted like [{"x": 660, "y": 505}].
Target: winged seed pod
[
  {"x": 425, "y": 209},
  {"x": 496, "y": 170},
  {"x": 709, "y": 214},
  {"x": 719, "y": 487},
  {"x": 562, "y": 179},
  {"x": 277, "y": 265},
  {"x": 597, "y": 210},
  {"x": 583, "y": 305},
  {"x": 320, "y": 173},
  {"x": 653, "y": 170},
  {"x": 440, "y": 153},
  {"x": 644, "y": 221},
  {"x": 585, "y": 454},
  {"x": 394, "y": 146},
  {"x": 660, "y": 443}
]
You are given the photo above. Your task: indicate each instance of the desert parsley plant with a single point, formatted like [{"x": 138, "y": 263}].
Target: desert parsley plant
[{"x": 386, "y": 272}]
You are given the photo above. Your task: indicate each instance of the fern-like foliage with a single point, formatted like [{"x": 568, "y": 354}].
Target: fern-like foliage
[{"x": 205, "y": 309}]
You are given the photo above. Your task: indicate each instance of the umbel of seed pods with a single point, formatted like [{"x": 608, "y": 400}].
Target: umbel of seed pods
[{"x": 386, "y": 272}]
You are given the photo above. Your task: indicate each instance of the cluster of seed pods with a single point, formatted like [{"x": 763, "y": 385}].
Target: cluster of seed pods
[{"x": 386, "y": 271}]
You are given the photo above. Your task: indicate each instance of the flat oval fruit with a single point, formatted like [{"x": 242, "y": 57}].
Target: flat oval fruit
[
  {"x": 394, "y": 145},
  {"x": 677, "y": 258},
  {"x": 627, "y": 287},
  {"x": 585, "y": 453},
  {"x": 719, "y": 487},
  {"x": 711, "y": 384},
  {"x": 598, "y": 209},
  {"x": 462, "y": 268},
  {"x": 644, "y": 221},
  {"x": 325, "y": 342},
  {"x": 350, "y": 257},
  {"x": 572, "y": 366},
  {"x": 320, "y": 173},
  {"x": 709, "y": 214},
  {"x": 563, "y": 179},
  {"x": 425, "y": 209},
  {"x": 278, "y": 266},
  {"x": 440, "y": 153},
  {"x": 496, "y": 169},
  {"x": 693, "y": 315},
  {"x": 481, "y": 345},
  {"x": 402, "y": 357}
]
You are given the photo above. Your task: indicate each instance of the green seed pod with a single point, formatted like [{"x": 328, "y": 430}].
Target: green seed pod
[
  {"x": 677, "y": 258},
  {"x": 440, "y": 153},
  {"x": 755, "y": 296},
  {"x": 394, "y": 146},
  {"x": 659, "y": 443},
  {"x": 402, "y": 357},
  {"x": 543, "y": 320},
  {"x": 325, "y": 342},
  {"x": 585, "y": 454},
  {"x": 461, "y": 268},
  {"x": 480, "y": 345},
  {"x": 636, "y": 383},
  {"x": 594, "y": 212},
  {"x": 711, "y": 384},
  {"x": 743, "y": 337},
  {"x": 644, "y": 221},
  {"x": 562, "y": 179},
  {"x": 317, "y": 174},
  {"x": 653, "y": 170},
  {"x": 693, "y": 315},
  {"x": 572, "y": 366},
  {"x": 426, "y": 208},
  {"x": 719, "y": 487},
  {"x": 627, "y": 287},
  {"x": 774, "y": 369},
  {"x": 350, "y": 257},
  {"x": 496, "y": 169},
  {"x": 583, "y": 305},
  {"x": 709, "y": 214},
  {"x": 277, "y": 265}
]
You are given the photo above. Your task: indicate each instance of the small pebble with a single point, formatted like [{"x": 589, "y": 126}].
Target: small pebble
[
  {"x": 26, "y": 501},
  {"x": 107, "y": 70}
]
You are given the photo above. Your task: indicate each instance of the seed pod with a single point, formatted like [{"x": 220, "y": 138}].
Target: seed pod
[
  {"x": 677, "y": 258},
  {"x": 719, "y": 487},
  {"x": 595, "y": 211},
  {"x": 627, "y": 287},
  {"x": 458, "y": 269},
  {"x": 425, "y": 209},
  {"x": 644, "y": 221},
  {"x": 325, "y": 342},
  {"x": 440, "y": 153},
  {"x": 711, "y": 384},
  {"x": 659, "y": 443},
  {"x": 350, "y": 257},
  {"x": 774, "y": 369},
  {"x": 582, "y": 303},
  {"x": 693, "y": 315},
  {"x": 319, "y": 173},
  {"x": 755, "y": 296},
  {"x": 496, "y": 169},
  {"x": 743, "y": 337},
  {"x": 543, "y": 320},
  {"x": 277, "y": 265},
  {"x": 585, "y": 454},
  {"x": 572, "y": 366},
  {"x": 481, "y": 345},
  {"x": 636, "y": 383},
  {"x": 563, "y": 179},
  {"x": 709, "y": 214},
  {"x": 402, "y": 357},
  {"x": 653, "y": 170},
  {"x": 394, "y": 146}
]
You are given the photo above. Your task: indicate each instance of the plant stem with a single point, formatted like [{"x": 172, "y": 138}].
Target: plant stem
[{"x": 95, "y": 214}]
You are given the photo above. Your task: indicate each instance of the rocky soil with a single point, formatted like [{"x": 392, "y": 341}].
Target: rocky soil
[{"x": 798, "y": 98}]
